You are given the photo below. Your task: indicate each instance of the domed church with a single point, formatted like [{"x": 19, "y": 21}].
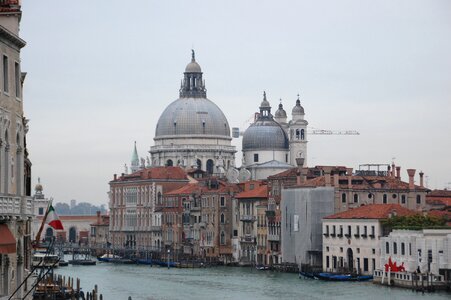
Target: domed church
[
  {"x": 271, "y": 144},
  {"x": 193, "y": 132}
]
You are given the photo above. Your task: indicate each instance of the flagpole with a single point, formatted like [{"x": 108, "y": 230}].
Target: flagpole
[{"x": 38, "y": 235}]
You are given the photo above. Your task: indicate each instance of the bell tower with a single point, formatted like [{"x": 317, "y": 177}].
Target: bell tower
[{"x": 298, "y": 134}]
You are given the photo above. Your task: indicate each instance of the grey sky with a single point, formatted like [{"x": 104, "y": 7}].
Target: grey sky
[{"x": 101, "y": 72}]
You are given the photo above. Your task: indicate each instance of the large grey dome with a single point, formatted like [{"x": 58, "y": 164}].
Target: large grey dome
[
  {"x": 265, "y": 135},
  {"x": 192, "y": 116}
]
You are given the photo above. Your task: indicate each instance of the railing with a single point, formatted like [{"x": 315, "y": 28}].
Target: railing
[
  {"x": 248, "y": 218},
  {"x": 248, "y": 239},
  {"x": 10, "y": 206},
  {"x": 274, "y": 237}
]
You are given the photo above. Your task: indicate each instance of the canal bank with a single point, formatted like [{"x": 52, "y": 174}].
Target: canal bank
[{"x": 118, "y": 282}]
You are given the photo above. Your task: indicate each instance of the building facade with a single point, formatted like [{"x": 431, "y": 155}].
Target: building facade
[
  {"x": 251, "y": 204},
  {"x": 351, "y": 239},
  {"x": 427, "y": 250},
  {"x": 197, "y": 219},
  {"x": 16, "y": 206},
  {"x": 135, "y": 205},
  {"x": 193, "y": 132}
]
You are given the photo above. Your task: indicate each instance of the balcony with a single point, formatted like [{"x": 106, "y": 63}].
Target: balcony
[
  {"x": 332, "y": 234},
  {"x": 247, "y": 239},
  {"x": 247, "y": 218},
  {"x": 154, "y": 228},
  {"x": 348, "y": 235},
  {"x": 16, "y": 206},
  {"x": 372, "y": 236},
  {"x": 202, "y": 224},
  {"x": 357, "y": 235},
  {"x": 340, "y": 235},
  {"x": 195, "y": 208},
  {"x": 326, "y": 234},
  {"x": 364, "y": 235},
  {"x": 274, "y": 237}
]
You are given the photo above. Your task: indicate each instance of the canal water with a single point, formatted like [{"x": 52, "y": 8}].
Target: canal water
[{"x": 117, "y": 282}]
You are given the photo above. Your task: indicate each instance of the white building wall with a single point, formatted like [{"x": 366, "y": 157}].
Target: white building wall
[
  {"x": 363, "y": 245},
  {"x": 417, "y": 246}
]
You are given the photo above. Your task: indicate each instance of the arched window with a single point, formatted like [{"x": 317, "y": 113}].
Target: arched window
[
  {"x": 169, "y": 163},
  {"x": 387, "y": 248},
  {"x": 297, "y": 133},
  {"x": 159, "y": 198},
  {"x": 223, "y": 238},
  {"x": 395, "y": 248},
  {"x": 199, "y": 164},
  {"x": 384, "y": 199},
  {"x": 210, "y": 165},
  {"x": 302, "y": 134},
  {"x": 222, "y": 219},
  {"x": 403, "y": 249},
  {"x": 418, "y": 199},
  {"x": 356, "y": 198},
  {"x": 343, "y": 198}
]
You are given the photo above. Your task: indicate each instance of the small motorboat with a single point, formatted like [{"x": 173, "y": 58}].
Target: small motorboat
[
  {"x": 262, "y": 268},
  {"x": 342, "y": 277}
]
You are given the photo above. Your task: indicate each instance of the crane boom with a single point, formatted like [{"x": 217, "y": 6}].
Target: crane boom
[{"x": 333, "y": 132}]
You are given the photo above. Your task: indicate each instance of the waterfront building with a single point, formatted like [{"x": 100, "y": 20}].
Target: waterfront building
[
  {"x": 197, "y": 219},
  {"x": 16, "y": 206},
  {"x": 426, "y": 250},
  {"x": 351, "y": 239},
  {"x": 135, "y": 205},
  {"x": 301, "y": 232},
  {"x": 271, "y": 144},
  {"x": 369, "y": 185},
  {"x": 193, "y": 132},
  {"x": 251, "y": 202},
  {"x": 100, "y": 231}
]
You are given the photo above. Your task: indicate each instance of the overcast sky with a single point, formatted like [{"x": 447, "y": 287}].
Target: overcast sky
[{"x": 101, "y": 72}]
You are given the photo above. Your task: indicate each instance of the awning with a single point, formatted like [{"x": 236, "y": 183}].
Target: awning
[{"x": 7, "y": 240}]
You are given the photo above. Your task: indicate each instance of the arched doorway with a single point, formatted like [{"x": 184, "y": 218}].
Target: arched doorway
[
  {"x": 72, "y": 235},
  {"x": 210, "y": 166},
  {"x": 350, "y": 260},
  {"x": 169, "y": 163},
  {"x": 199, "y": 164},
  {"x": 48, "y": 233}
]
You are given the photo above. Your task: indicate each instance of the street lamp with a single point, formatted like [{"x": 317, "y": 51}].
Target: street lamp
[{"x": 169, "y": 251}]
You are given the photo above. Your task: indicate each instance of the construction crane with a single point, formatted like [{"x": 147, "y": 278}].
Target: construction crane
[{"x": 333, "y": 132}]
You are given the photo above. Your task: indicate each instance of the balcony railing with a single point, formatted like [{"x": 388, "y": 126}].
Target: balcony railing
[
  {"x": 274, "y": 237},
  {"x": 16, "y": 206},
  {"x": 247, "y": 218},
  {"x": 248, "y": 239}
]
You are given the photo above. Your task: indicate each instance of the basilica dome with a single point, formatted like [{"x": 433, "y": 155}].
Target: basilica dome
[
  {"x": 265, "y": 135},
  {"x": 192, "y": 116}
]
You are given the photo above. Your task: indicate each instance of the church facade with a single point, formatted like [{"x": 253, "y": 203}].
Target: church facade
[{"x": 193, "y": 132}]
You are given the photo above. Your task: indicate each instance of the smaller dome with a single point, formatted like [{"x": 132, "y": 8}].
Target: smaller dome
[
  {"x": 193, "y": 66},
  {"x": 265, "y": 103},
  {"x": 38, "y": 187},
  {"x": 280, "y": 113},
  {"x": 298, "y": 109}
]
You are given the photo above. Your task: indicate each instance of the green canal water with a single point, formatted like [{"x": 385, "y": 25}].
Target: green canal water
[{"x": 145, "y": 282}]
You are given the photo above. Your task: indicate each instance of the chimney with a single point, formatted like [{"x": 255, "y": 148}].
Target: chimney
[
  {"x": 411, "y": 173},
  {"x": 421, "y": 179},
  {"x": 398, "y": 172},
  {"x": 300, "y": 164},
  {"x": 98, "y": 217},
  {"x": 349, "y": 173},
  {"x": 393, "y": 169},
  {"x": 336, "y": 180},
  {"x": 115, "y": 176},
  {"x": 327, "y": 171},
  {"x": 304, "y": 172}
]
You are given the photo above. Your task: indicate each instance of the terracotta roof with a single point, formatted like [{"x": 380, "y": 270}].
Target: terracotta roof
[
  {"x": 155, "y": 173},
  {"x": 440, "y": 193},
  {"x": 373, "y": 211},
  {"x": 104, "y": 221},
  {"x": 438, "y": 201},
  {"x": 288, "y": 173},
  {"x": 202, "y": 187},
  {"x": 257, "y": 192},
  {"x": 363, "y": 182}
]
